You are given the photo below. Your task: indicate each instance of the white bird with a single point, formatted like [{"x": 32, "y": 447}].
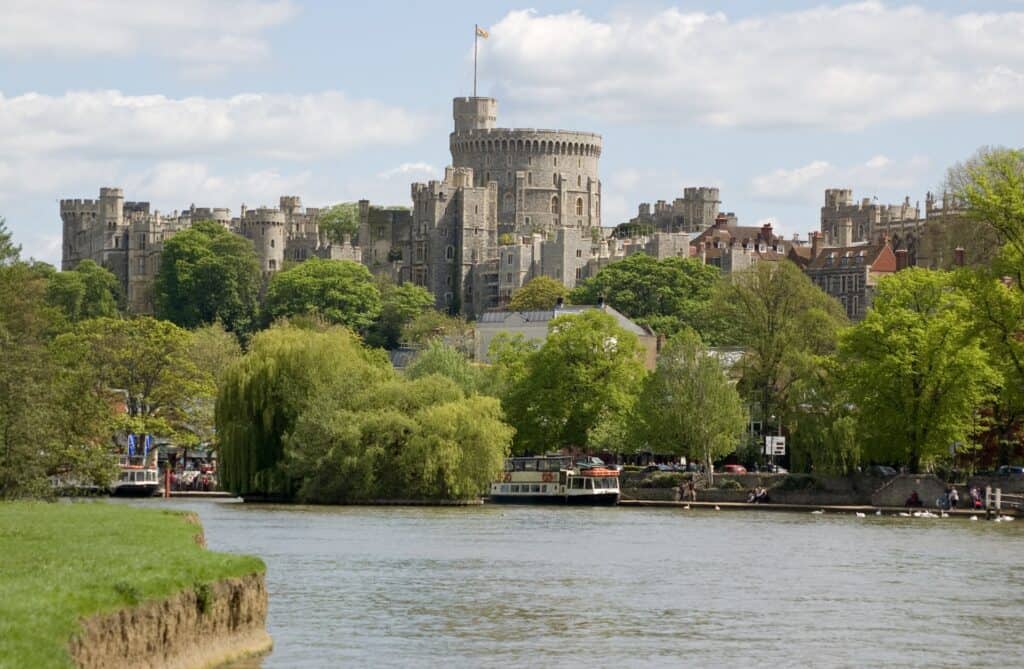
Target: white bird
[
  {"x": 861, "y": 515},
  {"x": 974, "y": 517},
  {"x": 818, "y": 512},
  {"x": 904, "y": 514},
  {"x": 878, "y": 513},
  {"x": 943, "y": 514},
  {"x": 686, "y": 508},
  {"x": 717, "y": 508},
  {"x": 1006, "y": 519}
]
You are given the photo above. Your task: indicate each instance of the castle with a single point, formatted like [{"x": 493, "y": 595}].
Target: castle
[{"x": 127, "y": 238}]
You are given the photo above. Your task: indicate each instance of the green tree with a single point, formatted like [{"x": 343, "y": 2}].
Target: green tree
[
  {"x": 589, "y": 370},
  {"x": 9, "y": 251},
  {"x": 208, "y": 274},
  {"x": 399, "y": 306},
  {"x": 262, "y": 395},
  {"x": 784, "y": 323},
  {"x": 991, "y": 187},
  {"x": 339, "y": 221},
  {"x": 144, "y": 358},
  {"x": 541, "y": 292},
  {"x": 821, "y": 428},
  {"x": 50, "y": 423},
  {"x": 688, "y": 405},
  {"x": 88, "y": 291},
  {"x": 665, "y": 295},
  {"x": 439, "y": 358},
  {"x": 916, "y": 370},
  {"x": 432, "y": 324},
  {"x": 341, "y": 292}
]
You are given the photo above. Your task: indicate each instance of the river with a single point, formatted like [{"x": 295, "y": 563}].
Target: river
[{"x": 497, "y": 586}]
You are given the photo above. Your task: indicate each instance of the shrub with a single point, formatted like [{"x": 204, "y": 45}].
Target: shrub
[
  {"x": 801, "y": 482},
  {"x": 731, "y": 484}
]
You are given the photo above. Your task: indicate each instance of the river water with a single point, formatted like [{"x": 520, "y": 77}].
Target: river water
[{"x": 503, "y": 586}]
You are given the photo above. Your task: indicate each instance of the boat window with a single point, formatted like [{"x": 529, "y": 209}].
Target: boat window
[
  {"x": 577, "y": 483},
  {"x": 504, "y": 487},
  {"x": 535, "y": 487},
  {"x": 590, "y": 484},
  {"x": 544, "y": 488},
  {"x": 515, "y": 488},
  {"x": 530, "y": 465}
]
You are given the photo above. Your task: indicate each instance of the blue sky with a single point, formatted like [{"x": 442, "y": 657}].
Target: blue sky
[{"x": 219, "y": 103}]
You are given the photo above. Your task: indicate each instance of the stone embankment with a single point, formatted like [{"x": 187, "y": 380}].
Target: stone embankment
[{"x": 204, "y": 626}]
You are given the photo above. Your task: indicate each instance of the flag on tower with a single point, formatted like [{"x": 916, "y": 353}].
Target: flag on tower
[{"x": 481, "y": 32}]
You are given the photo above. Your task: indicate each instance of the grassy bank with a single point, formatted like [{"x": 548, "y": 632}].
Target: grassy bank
[{"x": 62, "y": 562}]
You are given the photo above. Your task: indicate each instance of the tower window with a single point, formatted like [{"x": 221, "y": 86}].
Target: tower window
[
  {"x": 579, "y": 206},
  {"x": 271, "y": 243},
  {"x": 554, "y": 179},
  {"x": 554, "y": 205},
  {"x": 555, "y": 161},
  {"x": 579, "y": 181},
  {"x": 449, "y": 253},
  {"x": 529, "y": 178}
]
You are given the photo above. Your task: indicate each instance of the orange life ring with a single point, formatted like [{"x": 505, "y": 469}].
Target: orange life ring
[
  {"x": 548, "y": 477},
  {"x": 507, "y": 477}
]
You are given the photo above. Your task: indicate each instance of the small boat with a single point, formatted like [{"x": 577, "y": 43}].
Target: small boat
[
  {"x": 138, "y": 477},
  {"x": 554, "y": 479}
]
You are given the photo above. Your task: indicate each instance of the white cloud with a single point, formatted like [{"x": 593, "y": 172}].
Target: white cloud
[
  {"x": 807, "y": 183},
  {"x": 406, "y": 169},
  {"x": 204, "y": 36},
  {"x": 109, "y": 124},
  {"x": 836, "y": 67}
]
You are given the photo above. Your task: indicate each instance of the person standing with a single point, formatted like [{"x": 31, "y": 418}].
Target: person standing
[{"x": 954, "y": 497}]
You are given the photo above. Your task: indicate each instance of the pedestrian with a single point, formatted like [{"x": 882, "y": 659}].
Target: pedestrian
[
  {"x": 954, "y": 497},
  {"x": 691, "y": 491}
]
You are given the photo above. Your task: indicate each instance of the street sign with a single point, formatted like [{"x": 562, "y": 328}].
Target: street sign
[{"x": 774, "y": 445}]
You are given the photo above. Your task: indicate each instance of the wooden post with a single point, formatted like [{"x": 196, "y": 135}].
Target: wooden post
[{"x": 167, "y": 482}]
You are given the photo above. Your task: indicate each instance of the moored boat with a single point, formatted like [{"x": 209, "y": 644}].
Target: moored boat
[
  {"x": 554, "y": 479},
  {"x": 138, "y": 475}
]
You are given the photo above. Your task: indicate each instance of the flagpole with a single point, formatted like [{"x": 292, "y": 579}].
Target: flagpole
[{"x": 476, "y": 38}]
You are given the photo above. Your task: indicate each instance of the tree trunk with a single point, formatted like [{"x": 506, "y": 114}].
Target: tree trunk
[{"x": 709, "y": 468}]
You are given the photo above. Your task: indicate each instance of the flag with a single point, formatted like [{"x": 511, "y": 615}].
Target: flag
[
  {"x": 480, "y": 32},
  {"x": 146, "y": 445},
  {"x": 131, "y": 445}
]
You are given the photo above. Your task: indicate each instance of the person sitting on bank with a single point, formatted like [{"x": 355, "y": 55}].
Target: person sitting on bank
[
  {"x": 762, "y": 495},
  {"x": 976, "y": 498},
  {"x": 752, "y": 497},
  {"x": 913, "y": 500},
  {"x": 954, "y": 497}
]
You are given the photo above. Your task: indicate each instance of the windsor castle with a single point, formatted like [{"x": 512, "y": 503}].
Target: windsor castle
[{"x": 514, "y": 204}]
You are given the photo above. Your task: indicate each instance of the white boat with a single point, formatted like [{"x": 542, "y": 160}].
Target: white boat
[
  {"x": 138, "y": 476},
  {"x": 554, "y": 479}
]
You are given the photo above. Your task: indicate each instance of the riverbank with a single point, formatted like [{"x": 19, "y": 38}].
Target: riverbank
[
  {"x": 809, "y": 508},
  {"x": 100, "y": 585}
]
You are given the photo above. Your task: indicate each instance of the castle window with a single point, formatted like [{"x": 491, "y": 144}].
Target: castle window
[
  {"x": 508, "y": 277},
  {"x": 449, "y": 253},
  {"x": 579, "y": 162},
  {"x": 529, "y": 178},
  {"x": 142, "y": 265},
  {"x": 476, "y": 209},
  {"x": 508, "y": 260},
  {"x": 506, "y": 202},
  {"x": 579, "y": 206},
  {"x": 448, "y": 299},
  {"x": 527, "y": 220},
  {"x": 508, "y": 176},
  {"x": 554, "y": 204},
  {"x": 555, "y": 161},
  {"x": 508, "y": 160},
  {"x": 579, "y": 181},
  {"x": 554, "y": 179},
  {"x": 579, "y": 272},
  {"x": 271, "y": 243},
  {"x": 487, "y": 177},
  {"x": 273, "y": 265},
  {"x": 579, "y": 253},
  {"x": 529, "y": 160}
]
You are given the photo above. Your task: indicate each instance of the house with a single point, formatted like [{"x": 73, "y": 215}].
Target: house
[
  {"x": 533, "y": 326},
  {"x": 851, "y": 272}
]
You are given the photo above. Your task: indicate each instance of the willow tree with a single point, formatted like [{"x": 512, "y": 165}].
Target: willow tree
[
  {"x": 688, "y": 405},
  {"x": 262, "y": 394}
]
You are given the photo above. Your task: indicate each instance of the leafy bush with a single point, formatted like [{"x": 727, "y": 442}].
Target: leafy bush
[
  {"x": 801, "y": 482},
  {"x": 731, "y": 484},
  {"x": 662, "y": 480}
]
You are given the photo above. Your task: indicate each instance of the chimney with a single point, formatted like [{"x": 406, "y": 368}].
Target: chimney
[
  {"x": 816, "y": 239},
  {"x": 958, "y": 256},
  {"x": 766, "y": 233},
  {"x": 721, "y": 221},
  {"x": 901, "y": 259},
  {"x": 844, "y": 232}
]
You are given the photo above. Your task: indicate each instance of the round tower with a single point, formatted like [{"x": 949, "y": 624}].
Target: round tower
[
  {"x": 546, "y": 178},
  {"x": 266, "y": 228}
]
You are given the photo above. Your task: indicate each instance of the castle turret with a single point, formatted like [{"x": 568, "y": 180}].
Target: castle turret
[
  {"x": 474, "y": 113},
  {"x": 266, "y": 228}
]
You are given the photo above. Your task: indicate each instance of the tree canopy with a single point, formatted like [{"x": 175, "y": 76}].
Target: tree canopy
[
  {"x": 587, "y": 372},
  {"x": 784, "y": 323},
  {"x": 341, "y": 292},
  {"x": 400, "y": 305},
  {"x": 541, "y": 292},
  {"x": 88, "y": 291},
  {"x": 665, "y": 295},
  {"x": 688, "y": 406},
  {"x": 208, "y": 274},
  {"x": 915, "y": 369},
  {"x": 339, "y": 221}
]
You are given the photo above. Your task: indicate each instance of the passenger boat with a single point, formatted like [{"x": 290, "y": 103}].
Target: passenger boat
[
  {"x": 554, "y": 479},
  {"x": 139, "y": 476}
]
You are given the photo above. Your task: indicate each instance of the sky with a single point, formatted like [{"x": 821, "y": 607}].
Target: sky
[{"x": 224, "y": 102}]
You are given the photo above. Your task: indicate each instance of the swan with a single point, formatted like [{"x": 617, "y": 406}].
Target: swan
[
  {"x": 904, "y": 514},
  {"x": 974, "y": 517},
  {"x": 717, "y": 508},
  {"x": 943, "y": 514},
  {"x": 1006, "y": 519},
  {"x": 878, "y": 513},
  {"x": 861, "y": 515},
  {"x": 818, "y": 512},
  {"x": 686, "y": 508}
]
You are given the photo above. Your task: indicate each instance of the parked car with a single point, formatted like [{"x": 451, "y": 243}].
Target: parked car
[
  {"x": 881, "y": 470},
  {"x": 734, "y": 469},
  {"x": 1010, "y": 470},
  {"x": 774, "y": 469},
  {"x": 589, "y": 462}
]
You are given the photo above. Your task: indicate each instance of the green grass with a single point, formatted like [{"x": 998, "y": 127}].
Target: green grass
[{"x": 62, "y": 562}]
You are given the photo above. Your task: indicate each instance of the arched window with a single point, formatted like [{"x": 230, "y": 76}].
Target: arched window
[
  {"x": 554, "y": 179},
  {"x": 271, "y": 243},
  {"x": 506, "y": 202},
  {"x": 554, "y": 204},
  {"x": 449, "y": 253},
  {"x": 579, "y": 206},
  {"x": 579, "y": 180}
]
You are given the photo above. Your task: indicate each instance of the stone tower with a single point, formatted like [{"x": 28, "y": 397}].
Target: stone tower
[
  {"x": 266, "y": 228},
  {"x": 546, "y": 179}
]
